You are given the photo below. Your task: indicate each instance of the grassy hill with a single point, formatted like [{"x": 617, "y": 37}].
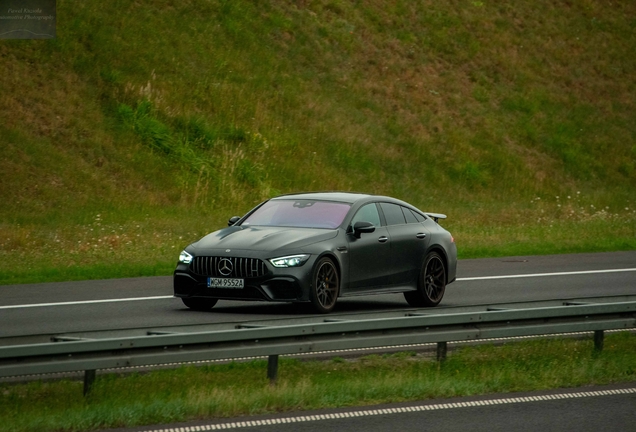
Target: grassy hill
[{"x": 145, "y": 125}]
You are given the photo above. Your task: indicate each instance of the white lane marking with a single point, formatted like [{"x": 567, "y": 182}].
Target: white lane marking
[
  {"x": 398, "y": 410},
  {"x": 84, "y": 302},
  {"x": 458, "y": 279},
  {"x": 547, "y": 274}
]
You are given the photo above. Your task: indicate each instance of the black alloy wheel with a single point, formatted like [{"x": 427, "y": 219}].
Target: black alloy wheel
[
  {"x": 431, "y": 284},
  {"x": 325, "y": 286},
  {"x": 200, "y": 304}
]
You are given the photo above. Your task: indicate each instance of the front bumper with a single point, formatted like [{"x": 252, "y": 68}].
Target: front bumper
[{"x": 277, "y": 284}]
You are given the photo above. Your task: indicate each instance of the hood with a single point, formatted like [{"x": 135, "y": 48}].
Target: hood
[{"x": 260, "y": 238}]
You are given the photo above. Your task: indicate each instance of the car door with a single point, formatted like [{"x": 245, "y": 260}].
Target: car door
[
  {"x": 369, "y": 254},
  {"x": 409, "y": 239}
]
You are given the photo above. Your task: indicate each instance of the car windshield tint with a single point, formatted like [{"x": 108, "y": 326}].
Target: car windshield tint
[{"x": 299, "y": 213}]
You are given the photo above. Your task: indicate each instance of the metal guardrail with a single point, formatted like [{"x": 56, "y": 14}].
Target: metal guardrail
[
  {"x": 271, "y": 317},
  {"x": 335, "y": 334}
]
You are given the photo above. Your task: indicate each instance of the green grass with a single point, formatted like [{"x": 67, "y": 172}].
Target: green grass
[
  {"x": 147, "y": 245},
  {"x": 193, "y": 112},
  {"x": 239, "y": 389}
]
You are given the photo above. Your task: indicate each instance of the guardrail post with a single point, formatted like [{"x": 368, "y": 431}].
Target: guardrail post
[
  {"x": 272, "y": 369},
  {"x": 89, "y": 379},
  {"x": 441, "y": 351},
  {"x": 598, "y": 340}
]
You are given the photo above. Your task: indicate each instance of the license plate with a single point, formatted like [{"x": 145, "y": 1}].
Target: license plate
[{"x": 227, "y": 283}]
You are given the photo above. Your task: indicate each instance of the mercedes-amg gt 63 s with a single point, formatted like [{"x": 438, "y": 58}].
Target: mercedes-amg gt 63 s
[{"x": 316, "y": 247}]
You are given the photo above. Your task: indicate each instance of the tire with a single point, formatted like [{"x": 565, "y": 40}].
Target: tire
[
  {"x": 200, "y": 304},
  {"x": 431, "y": 284},
  {"x": 325, "y": 286}
]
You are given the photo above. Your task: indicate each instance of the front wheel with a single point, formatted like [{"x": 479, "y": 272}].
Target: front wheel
[
  {"x": 200, "y": 304},
  {"x": 325, "y": 286},
  {"x": 431, "y": 284}
]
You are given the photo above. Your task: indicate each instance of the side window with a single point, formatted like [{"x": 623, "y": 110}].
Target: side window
[
  {"x": 408, "y": 214},
  {"x": 393, "y": 214},
  {"x": 367, "y": 213},
  {"x": 419, "y": 217}
]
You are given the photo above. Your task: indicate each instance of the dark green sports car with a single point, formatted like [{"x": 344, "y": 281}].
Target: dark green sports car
[{"x": 316, "y": 247}]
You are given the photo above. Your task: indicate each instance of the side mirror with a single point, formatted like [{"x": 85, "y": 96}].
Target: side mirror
[
  {"x": 233, "y": 220},
  {"x": 362, "y": 227}
]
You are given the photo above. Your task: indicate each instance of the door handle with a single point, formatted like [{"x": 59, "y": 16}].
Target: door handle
[
  {"x": 420, "y": 235},
  {"x": 383, "y": 239}
]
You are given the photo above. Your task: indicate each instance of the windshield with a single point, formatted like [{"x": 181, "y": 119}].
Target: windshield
[{"x": 299, "y": 213}]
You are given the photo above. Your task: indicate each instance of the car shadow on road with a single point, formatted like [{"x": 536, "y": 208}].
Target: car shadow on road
[{"x": 343, "y": 306}]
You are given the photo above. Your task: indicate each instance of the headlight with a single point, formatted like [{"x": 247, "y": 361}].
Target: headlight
[
  {"x": 185, "y": 257},
  {"x": 290, "y": 261}
]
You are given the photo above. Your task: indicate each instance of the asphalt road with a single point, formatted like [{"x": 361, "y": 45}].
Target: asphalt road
[
  {"x": 147, "y": 302},
  {"x": 588, "y": 409}
]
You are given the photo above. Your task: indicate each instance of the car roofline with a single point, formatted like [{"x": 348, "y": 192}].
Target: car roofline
[{"x": 337, "y": 196}]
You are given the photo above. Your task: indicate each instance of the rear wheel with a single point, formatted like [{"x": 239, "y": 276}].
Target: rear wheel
[
  {"x": 431, "y": 284},
  {"x": 325, "y": 286},
  {"x": 200, "y": 304}
]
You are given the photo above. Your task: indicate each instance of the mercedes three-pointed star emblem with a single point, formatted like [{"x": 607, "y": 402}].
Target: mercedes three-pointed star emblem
[{"x": 225, "y": 266}]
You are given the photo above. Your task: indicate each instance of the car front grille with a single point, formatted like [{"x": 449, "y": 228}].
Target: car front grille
[{"x": 229, "y": 267}]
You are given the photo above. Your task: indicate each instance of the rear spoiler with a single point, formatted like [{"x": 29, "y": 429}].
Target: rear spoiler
[{"x": 436, "y": 216}]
